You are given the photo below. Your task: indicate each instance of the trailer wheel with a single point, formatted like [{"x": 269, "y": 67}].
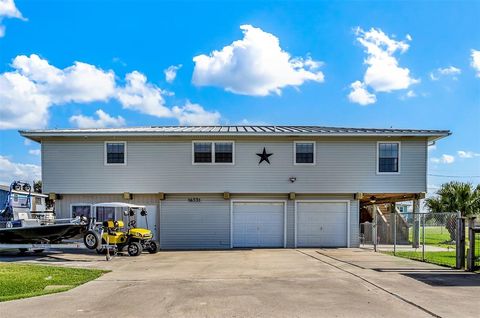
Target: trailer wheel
[
  {"x": 91, "y": 240},
  {"x": 134, "y": 249}
]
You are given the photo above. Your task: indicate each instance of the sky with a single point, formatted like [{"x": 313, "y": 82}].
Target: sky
[{"x": 376, "y": 64}]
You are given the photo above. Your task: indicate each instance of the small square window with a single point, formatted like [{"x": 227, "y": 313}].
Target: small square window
[
  {"x": 304, "y": 153},
  {"x": 115, "y": 152},
  {"x": 81, "y": 210},
  {"x": 202, "y": 152},
  {"x": 388, "y": 157},
  {"x": 224, "y": 152}
]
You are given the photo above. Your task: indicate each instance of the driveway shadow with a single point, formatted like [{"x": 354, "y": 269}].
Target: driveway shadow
[{"x": 447, "y": 279}]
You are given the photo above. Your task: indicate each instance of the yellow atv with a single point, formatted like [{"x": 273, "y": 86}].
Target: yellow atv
[{"x": 113, "y": 233}]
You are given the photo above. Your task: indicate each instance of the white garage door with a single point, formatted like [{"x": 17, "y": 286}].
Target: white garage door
[
  {"x": 322, "y": 224},
  {"x": 258, "y": 224}
]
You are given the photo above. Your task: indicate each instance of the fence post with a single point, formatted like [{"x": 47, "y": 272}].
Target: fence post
[
  {"x": 423, "y": 237},
  {"x": 460, "y": 241},
  {"x": 471, "y": 245},
  {"x": 394, "y": 212},
  {"x": 416, "y": 224}
]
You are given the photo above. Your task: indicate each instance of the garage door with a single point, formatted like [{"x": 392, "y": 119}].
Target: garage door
[
  {"x": 258, "y": 224},
  {"x": 322, "y": 224}
]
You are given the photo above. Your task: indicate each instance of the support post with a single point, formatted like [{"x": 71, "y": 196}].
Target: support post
[
  {"x": 460, "y": 243},
  {"x": 471, "y": 245},
  {"x": 416, "y": 224},
  {"x": 374, "y": 227},
  {"x": 394, "y": 213}
]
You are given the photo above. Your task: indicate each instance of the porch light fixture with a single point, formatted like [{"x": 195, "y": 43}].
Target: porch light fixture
[
  {"x": 226, "y": 195},
  {"x": 127, "y": 196},
  {"x": 373, "y": 199},
  {"x": 292, "y": 179}
]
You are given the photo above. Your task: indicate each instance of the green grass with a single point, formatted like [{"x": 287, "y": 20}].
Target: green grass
[
  {"x": 434, "y": 235},
  {"x": 24, "y": 280},
  {"x": 446, "y": 258}
]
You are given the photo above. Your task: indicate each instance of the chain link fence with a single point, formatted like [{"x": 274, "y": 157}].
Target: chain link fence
[{"x": 429, "y": 237}]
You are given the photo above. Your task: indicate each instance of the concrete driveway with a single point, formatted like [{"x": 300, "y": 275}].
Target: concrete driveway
[{"x": 257, "y": 283}]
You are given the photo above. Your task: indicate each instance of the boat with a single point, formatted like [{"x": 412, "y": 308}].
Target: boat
[{"x": 17, "y": 226}]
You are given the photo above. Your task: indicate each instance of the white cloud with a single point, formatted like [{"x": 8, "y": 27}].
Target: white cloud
[
  {"x": 383, "y": 73},
  {"x": 27, "y": 92},
  {"x": 103, "y": 120},
  {"x": 467, "y": 154},
  {"x": 27, "y": 142},
  {"x": 35, "y": 152},
  {"x": 360, "y": 94},
  {"x": 445, "y": 71},
  {"x": 194, "y": 114},
  {"x": 475, "y": 63},
  {"x": 8, "y": 10},
  {"x": 432, "y": 147},
  {"x": 447, "y": 159},
  {"x": 171, "y": 72},
  {"x": 34, "y": 86},
  {"x": 10, "y": 171},
  {"x": 142, "y": 96},
  {"x": 255, "y": 65}
]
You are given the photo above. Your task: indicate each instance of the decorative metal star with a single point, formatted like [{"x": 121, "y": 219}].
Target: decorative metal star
[{"x": 264, "y": 156}]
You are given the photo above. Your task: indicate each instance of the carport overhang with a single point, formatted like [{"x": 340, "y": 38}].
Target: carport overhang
[{"x": 385, "y": 198}]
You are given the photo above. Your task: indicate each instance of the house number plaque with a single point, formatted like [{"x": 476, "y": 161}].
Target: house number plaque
[{"x": 194, "y": 200}]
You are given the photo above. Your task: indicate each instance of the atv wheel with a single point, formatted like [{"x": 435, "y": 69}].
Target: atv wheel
[
  {"x": 134, "y": 249},
  {"x": 152, "y": 247},
  {"x": 91, "y": 240}
]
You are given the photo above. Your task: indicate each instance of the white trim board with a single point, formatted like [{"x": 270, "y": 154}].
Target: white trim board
[
  {"x": 322, "y": 201},
  {"x": 285, "y": 202}
]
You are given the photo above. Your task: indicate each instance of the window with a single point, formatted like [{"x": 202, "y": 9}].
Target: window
[
  {"x": 213, "y": 152},
  {"x": 304, "y": 152},
  {"x": 388, "y": 157},
  {"x": 224, "y": 152},
  {"x": 81, "y": 210},
  {"x": 105, "y": 213},
  {"x": 115, "y": 153},
  {"x": 203, "y": 152}
]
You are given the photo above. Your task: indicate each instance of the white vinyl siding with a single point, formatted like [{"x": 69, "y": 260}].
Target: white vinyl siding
[{"x": 342, "y": 166}]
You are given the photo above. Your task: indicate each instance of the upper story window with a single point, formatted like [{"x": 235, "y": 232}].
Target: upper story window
[
  {"x": 209, "y": 152},
  {"x": 304, "y": 152},
  {"x": 388, "y": 157},
  {"x": 115, "y": 153}
]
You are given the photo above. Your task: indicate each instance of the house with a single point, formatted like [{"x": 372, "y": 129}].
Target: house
[
  {"x": 237, "y": 186},
  {"x": 38, "y": 203}
]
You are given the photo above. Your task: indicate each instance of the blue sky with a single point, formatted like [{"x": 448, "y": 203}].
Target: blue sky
[{"x": 414, "y": 65}]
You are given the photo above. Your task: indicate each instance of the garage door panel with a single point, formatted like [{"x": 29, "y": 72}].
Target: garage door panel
[
  {"x": 258, "y": 224},
  {"x": 322, "y": 224}
]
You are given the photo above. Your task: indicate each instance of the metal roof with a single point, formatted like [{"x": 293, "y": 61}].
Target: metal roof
[{"x": 238, "y": 130}]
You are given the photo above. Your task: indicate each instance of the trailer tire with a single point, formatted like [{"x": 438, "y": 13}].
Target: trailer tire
[{"x": 91, "y": 240}]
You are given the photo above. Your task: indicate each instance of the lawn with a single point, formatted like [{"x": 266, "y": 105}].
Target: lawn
[
  {"x": 435, "y": 235},
  {"x": 447, "y": 258},
  {"x": 24, "y": 280}
]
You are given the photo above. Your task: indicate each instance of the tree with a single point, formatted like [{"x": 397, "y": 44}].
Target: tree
[{"x": 455, "y": 196}]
